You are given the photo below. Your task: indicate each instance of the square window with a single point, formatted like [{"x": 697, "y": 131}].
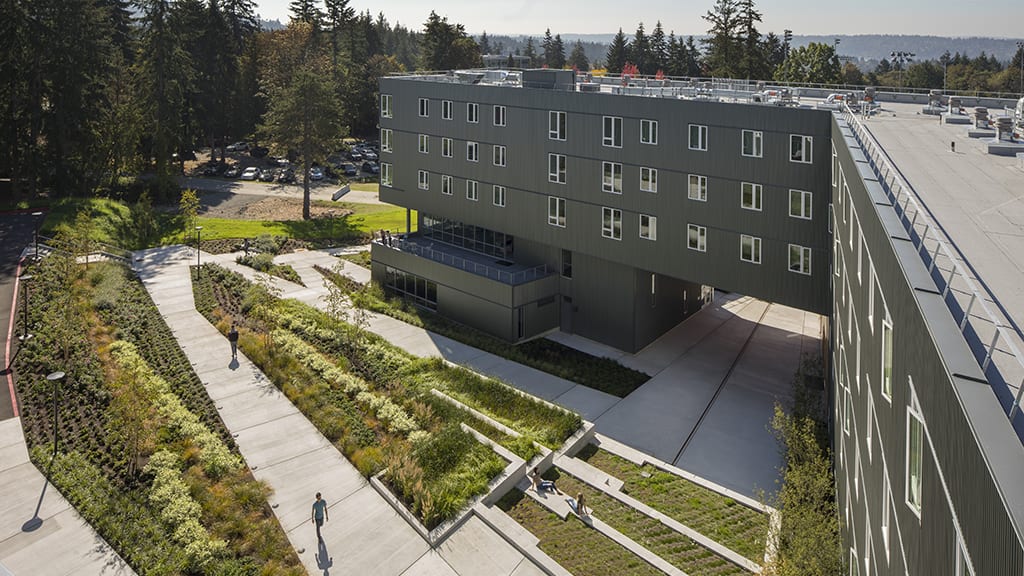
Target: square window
[
  {"x": 424, "y": 143},
  {"x": 799, "y": 259},
  {"x": 648, "y": 179},
  {"x": 698, "y": 188},
  {"x": 611, "y": 180},
  {"x": 649, "y": 132},
  {"x": 385, "y": 105},
  {"x": 612, "y": 132},
  {"x": 556, "y": 168},
  {"x": 385, "y": 174},
  {"x": 446, "y": 184},
  {"x": 472, "y": 112},
  {"x": 611, "y": 223},
  {"x": 499, "y": 155},
  {"x": 698, "y": 137},
  {"x": 648, "y": 227},
  {"x": 499, "y": 115},
  {"x": 697, "y": 237},
  {"x": 556, "y": 125},
  {"x": 750, "y": 249},
  {"x": 752, "y": 143},
  {"x": 800, "y": 204},
  {"x": 800, "y": 148},
  {"x": 499, "y": 195},
  {"x": 446, "y": 109},
  {"x": 472, "y": 187},
  {"x": 556, "y": 211},
  {"x": 423, "y": 178},
  {"x": 915, "y": 460},
  {"x": 750, "y": 196},
  {"x": 472, "y": 151},
  {"x": 446, "y": 147},
  {"x": 385, "y": 140},
  {"x": 424, "y": 107}
]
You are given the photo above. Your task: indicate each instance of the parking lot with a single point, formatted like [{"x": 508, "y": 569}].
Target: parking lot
[{"x": 240, "y": 160}]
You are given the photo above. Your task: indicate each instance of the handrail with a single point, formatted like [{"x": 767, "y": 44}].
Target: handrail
[
  {"x": 917, "y": 221},
  {"x": 468, "y": 265}
]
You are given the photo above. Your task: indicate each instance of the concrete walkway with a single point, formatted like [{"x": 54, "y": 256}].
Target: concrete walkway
[
  {"x": 62, "y": 543},
  {"x": 364, "y": 535}
]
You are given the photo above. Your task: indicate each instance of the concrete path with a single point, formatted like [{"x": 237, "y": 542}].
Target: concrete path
[
  {"x": 364, "y": 534},
  {"x": 63, "y": 543}
]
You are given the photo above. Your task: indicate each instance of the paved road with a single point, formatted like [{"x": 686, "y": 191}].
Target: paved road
[
  {"x": 318, "y": 191},
  {"x": 15, "y": 233}
]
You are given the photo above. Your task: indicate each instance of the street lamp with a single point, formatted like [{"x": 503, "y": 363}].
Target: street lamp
[
  {"x": 945, "y": 59},
  {"x": 26, "y": 336},
  {"x": 199, "y": 242},
  {"x": 55, "y": 377},
  {"x": 899, "y": 58},
  {"x": 35, "y": 252}
]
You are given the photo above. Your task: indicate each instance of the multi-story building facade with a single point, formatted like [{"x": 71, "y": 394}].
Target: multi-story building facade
[{"x": 609, "y": 211}]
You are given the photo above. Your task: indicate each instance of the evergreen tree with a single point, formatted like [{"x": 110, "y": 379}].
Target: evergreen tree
[
  {"x": 675, "y": 64},
  {"x": 578, "y": 59},
  {"x": 547, "y": 46},
  {"x": 557, "y": 53},
  {"x": 640, "y": 51},
  {"x": 531, "y": 53},
  {"x": 816, "y": 63},
  {"x": 307, "y": 11},
  {"x": 722, "y": 47},
  {"x": 659, "y": 49},
  {"x": 241, "y": 19},
  {"x": 338, "y": 17},
  {"x": 753, "y": 63},
  {"x": 775, "y": 51},
  {"x": 618, "y": 53},
  {"x": 485, "y": 43},
  {"x": 446, "y": 46},
  {"x": 694, "y": 59}
]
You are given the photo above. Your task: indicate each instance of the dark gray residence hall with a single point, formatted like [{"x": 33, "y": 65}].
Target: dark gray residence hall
[{"x": 610, "y": 211}]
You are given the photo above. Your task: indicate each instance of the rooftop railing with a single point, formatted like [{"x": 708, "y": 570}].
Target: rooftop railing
[
  {"x": 992, "y": 337},
  {"x": 469, "y": 265}
]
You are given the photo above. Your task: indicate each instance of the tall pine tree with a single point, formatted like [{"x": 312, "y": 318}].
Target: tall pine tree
[
  {"x": 618, "y": 53},
  {"x": 722, "y": 46}
]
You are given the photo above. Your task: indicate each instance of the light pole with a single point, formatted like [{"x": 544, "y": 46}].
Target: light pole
[
  {"x": 330, "y": 214},
  {"x": 1020, "y": 56},
  {"x": 35, "y": 252},
  {"x": 899, "y": 58},
  {"x": 945, "y": 59},
  {"x": 26, "y": 336},
  {"x": 199, "y": 241},
  {"x": 55, "y": 377}
]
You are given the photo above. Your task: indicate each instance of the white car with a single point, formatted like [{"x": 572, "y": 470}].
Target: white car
[
  {"x": 250, "y": 173},
  {"x": 238, "y": 147}
]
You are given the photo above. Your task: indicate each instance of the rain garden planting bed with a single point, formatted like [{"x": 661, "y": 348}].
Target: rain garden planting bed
[{"x": 375, "y": 401}]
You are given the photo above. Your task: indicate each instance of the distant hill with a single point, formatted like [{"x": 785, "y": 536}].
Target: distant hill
[{"x": 271, "y": 24}]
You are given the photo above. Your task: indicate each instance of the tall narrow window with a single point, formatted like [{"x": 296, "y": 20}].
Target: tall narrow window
[
  {"x": 556, "y": 211},
  {"x": 800, "y": 204},
  {"x": 886, "y": 506},
  {"x": 446, "y": 184},
  {"x": 648, "y": 179},
  {"x": 887, "y": 359},
  {"x": 424, "y": 143},
  {"x": 498, "y": 193},
  {"x": 649, "y": 132},
  {"x": 611, "y": 223},
  {"x": 750, "y": 196},
  {"x": 915, "y": 459},
  {"x": 424, "y": 107},
  {"x": 499, "y": 155},
  {"x": 446, "y": 109},
  {"x": 499, "y": 115},
  {"x": 385, "y": 105},
  {"x": 799, "y": 259},
  {"x": 472, "y": 112},
  {"x": 446, "y": 147},
  {"x": 800, "y": 148},
  {"x": 385, "y": 140},
  {"x": 698, "y": 188},
  {"x": 556, "y": 125},
  {"x": 566, "y": 264},
  {"x": 556, "y": 168},
  {"x": 750, "y": 249},
  {"x": 423, "y": 179},
  {"x": 472, "y": 192},
  {"x": 612, "y": 132},
  {"x": 385, "y": 174},
  {"x": 696, "y": 237},
  {"x": 698, "y": 137},
  {"x": 473, "y": 151},
  {"x": 752, "y": 143},
  {"x": 648, "y": 227},
  {"x": 611, "y": 180}
]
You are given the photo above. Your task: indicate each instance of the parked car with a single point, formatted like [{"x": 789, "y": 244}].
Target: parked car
[
  {"x": 233, "y": 172},
  {"x": 214, "y": 168},
  {"x": 238, "y": 147},
  {"x": 250, "y": 173},
  {"x": 371, "y": 167},
  {"x": 267, "y": 175},
  {"x": 259, "y": 151},
  {"x": 316, "y": 173},
  {"x": 287, "y": 175},
  {"x": 349, "y": 169},
  {"x": 369, "y": 155},
  {"x": 355, "y": 155}
]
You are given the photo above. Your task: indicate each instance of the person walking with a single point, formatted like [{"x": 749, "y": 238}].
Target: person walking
[
  {"x": 581, "y": 505},
  {"x": 233, "y": 338},
  {"x": 319, "y": 514}
]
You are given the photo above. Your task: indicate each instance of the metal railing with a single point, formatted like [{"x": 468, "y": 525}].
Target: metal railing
[
  {"x": 478, "y": 268},
  {"x": 992, "y": 340}
]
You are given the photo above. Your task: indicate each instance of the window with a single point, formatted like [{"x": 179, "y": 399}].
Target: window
[
  {"x": 612, "y": 132},
  {"x": 446, "y": 109},
  {"x": 847, "y": 411},
  {"x": 611, "y": 223},
  {"x": 886, "y": 497},
  {"x": 446, "y": 184},
  {"x": 385, "y": 105},
  {"x": 869, "y": 424},
  {"x": 800, "y": 204},
  {"x": 556, "y": 168},
  {"x": 499, "y": 155},
  {"x": 446, "y": 147},
  {"x": 698, "y": 137},
  {"x": 750, "y": 249},
  {"x": 611, "y": 180},
  {"x": 472, "y": 151},
  {"x": 499, "y": 195},
  {"x": 750, "y": 196},
  {"x": 424, "y": 107},
  {"x": 799, "y": 259},
  {"x": 424, "y": 179},
  {"x": 472, "y": 193},
  {"x": 649, "y": 132},
  {"x": 556, "y": 125},
  {"x": 472, "y": 112},
  {"x": 963, "y": 561},
  {"x": 835, "y": 167},
  {"x": 424, "y": 143},
  {"x": 385, "y": 174},
  {"x": 648, "y": 179},
  {"x": 752, "y": 143},
  {"x": 871, "y": 294},
  {"x": 385, "y": 140},
  {"x": 566, "y": 264},
  {"x": 887, "y": 359},
  {"x": 696, "y": 237},
  {"x": 698, "y": 189},
  {"x": 648, "y": 227},
  {"x": 800, "y": 148},
  {"x": 915, "y": 458},
  {"x": 556, "y": 211},
  {"x": 499, "y": 115}
]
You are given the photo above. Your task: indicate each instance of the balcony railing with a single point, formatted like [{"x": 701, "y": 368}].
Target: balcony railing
[{"x": 469, "y": 265}]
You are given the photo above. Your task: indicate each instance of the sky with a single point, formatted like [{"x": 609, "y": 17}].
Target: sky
[{"x": 994, "y": 18}]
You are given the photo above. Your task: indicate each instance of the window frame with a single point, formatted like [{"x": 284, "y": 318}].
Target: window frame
[
  {"x": 702, "y": 187},
  {"x": 498, "y": 155},
  {"x": 386, "y": 111},
  {"x": 756, "y": 144},
  {"x": 611, "y": 223},
  {"x": 423, "y": 143},
  {"x": 558, "y": 175},
  {"x": 556, "y": 211},
  {"x": 446, "y": 109},
  {"x": 472, "y": 151},
  {"x": 805, "y": 201},
  {"x": 702, "y": 137},
  {"x": 651, "y": 225},
  {"x": 804, "y": 257},
  {"x": 650, "y": 128},
  {"x": 498, "y": 191},
  {"x": 385, "y": 174},
  {"x": 650, "y": 183},
  {"x": 472, "y": 113},
  {"x": 701, "y": 237},
  {"x": 611, "y": 177},
  {"x": 755, "y": 248},
  {"x": 560, "y": 122},
  {"x": 756, "y": 196},
  {"x": 914, "y": 421},
  {"x": 447, "y": 182},
  {"x": 887, "y": 357},
  {"x": 500, "y": 115},
  {"x": 611, "y": 131},
  {"x": 473, "y": 190},
  {"x": 423, "y": 180},
  {"x": 424, "y": 108},
  {"x": 806, "y": 149},
  {"x": 385, "y": 140},
  {"x": 447, "y": 146}
]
